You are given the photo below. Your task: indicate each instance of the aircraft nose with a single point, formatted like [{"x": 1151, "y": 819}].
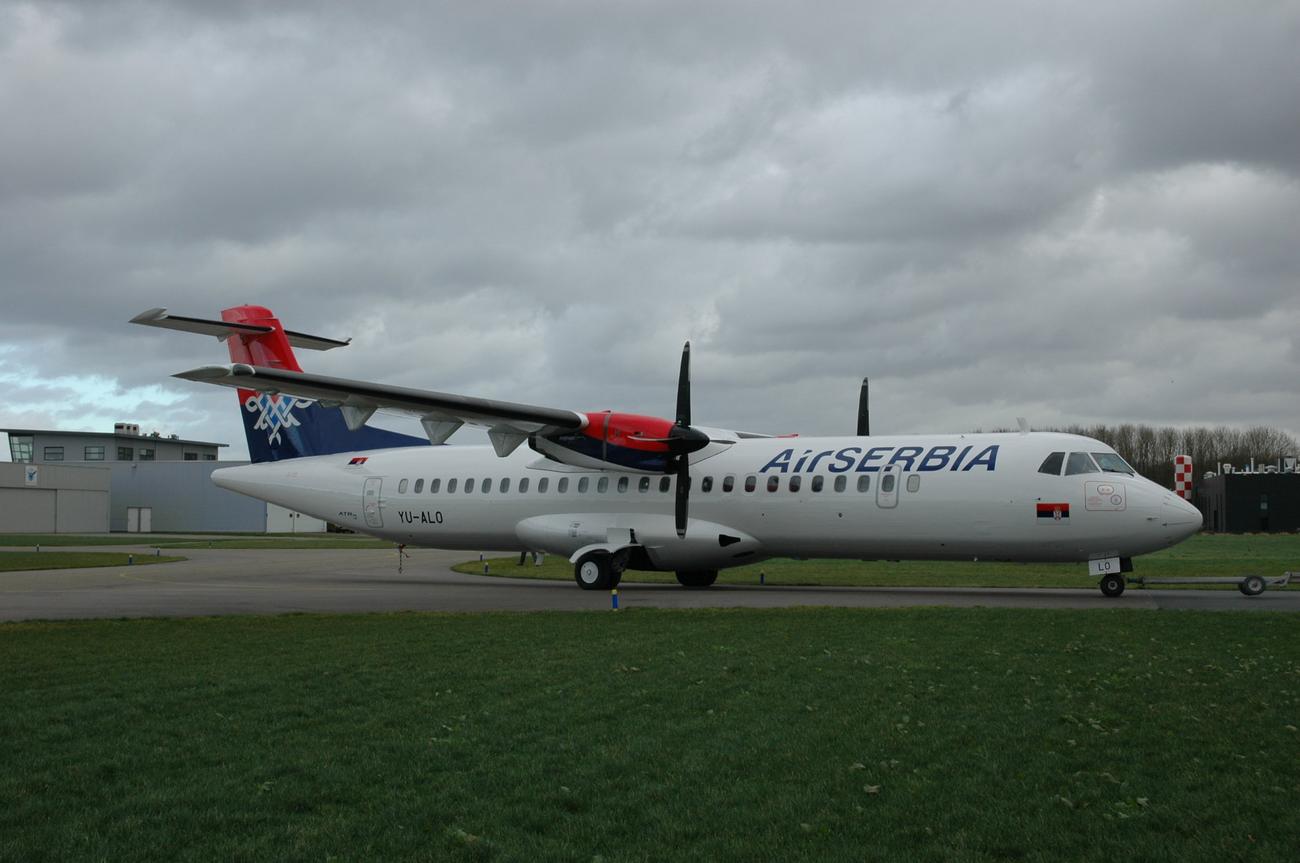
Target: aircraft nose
[{"x": 1182, "y": 516}]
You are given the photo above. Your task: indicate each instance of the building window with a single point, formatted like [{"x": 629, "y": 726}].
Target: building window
[
  {"x": 191, "y": 456},
  {"x": 208, "y": 456},
  {"x": 146, "y": 454},
  {"x": 95, "y": 453},
  {"x": 20, "y": 448},
  {"x": 125, "y": 453},
  {"x": 54, "y": 453}
]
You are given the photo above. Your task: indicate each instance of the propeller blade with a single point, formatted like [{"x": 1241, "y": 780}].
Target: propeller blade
[
  {"x": 684, "y": 388},
  {"x": 683, "y": 494},
  {"x": 864, "y": 411}
]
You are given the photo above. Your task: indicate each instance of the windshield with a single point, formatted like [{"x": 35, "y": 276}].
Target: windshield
[{"x": 1112, "y": 463}]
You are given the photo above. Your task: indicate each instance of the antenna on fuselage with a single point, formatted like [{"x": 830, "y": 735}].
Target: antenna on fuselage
[{"x": 864, "y": 410}]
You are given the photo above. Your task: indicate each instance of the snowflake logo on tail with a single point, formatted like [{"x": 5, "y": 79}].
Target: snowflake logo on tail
[{"x": 274, "y": 413}]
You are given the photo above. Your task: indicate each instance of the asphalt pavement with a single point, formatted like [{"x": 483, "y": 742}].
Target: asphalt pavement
[{"x": 259, "y": 581}]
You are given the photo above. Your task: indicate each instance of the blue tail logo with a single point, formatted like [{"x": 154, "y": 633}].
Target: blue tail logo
[{"x": 280, "y": 427}]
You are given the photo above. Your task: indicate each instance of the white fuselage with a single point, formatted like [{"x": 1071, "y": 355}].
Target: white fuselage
[{"x": 897, "y": 497}]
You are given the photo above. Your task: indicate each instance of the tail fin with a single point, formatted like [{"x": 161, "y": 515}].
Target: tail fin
[{"x": 280, "y": 427}]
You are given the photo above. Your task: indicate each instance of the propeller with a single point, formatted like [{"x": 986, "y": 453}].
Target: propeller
[
  {"x": 682, "y": 441},
  {"x": 864, "y": 411}
]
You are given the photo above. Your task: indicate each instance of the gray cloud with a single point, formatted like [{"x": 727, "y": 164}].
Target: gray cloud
[{"x": 1073, "y": 214}]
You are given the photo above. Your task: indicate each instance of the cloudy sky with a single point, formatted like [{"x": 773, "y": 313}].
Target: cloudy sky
[{"x": 1085, "y": 213}]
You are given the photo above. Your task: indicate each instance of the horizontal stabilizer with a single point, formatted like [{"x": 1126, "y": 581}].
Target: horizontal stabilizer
[{"x": 226, "y": 329}]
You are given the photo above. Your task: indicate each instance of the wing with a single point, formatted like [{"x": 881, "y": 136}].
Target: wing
[{"x": 508, "y": 423}]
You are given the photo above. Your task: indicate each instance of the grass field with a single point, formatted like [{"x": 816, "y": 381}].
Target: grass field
[
  {"x": 17, "y": 561},
  {"x": 921, "y": 734},
  {"x": 1204, "y": 554}
]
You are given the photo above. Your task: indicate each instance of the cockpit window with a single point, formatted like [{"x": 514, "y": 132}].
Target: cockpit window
[
  {"x": 1079, "y": 462},
  {"x": 1112, "y": 463},
  {"x": 1052, "y": 464}
]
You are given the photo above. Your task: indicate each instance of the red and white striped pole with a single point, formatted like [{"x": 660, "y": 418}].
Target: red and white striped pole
[{"x": 1183, "y": 476}]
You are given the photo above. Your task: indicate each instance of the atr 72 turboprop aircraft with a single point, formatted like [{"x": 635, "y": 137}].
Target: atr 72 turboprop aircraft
[{"x": 616, "y": 491}]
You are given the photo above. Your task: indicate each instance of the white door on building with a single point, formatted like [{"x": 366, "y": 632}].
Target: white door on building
[
  {"x": 146, "y": 519},
  {"x": 133, "y": 519}
]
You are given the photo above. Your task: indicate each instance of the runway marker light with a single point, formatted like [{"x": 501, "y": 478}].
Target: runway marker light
[{"x": 613, "y": 598}]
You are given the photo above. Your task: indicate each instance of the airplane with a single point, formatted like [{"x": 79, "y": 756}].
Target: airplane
[{"x": 617, "y": 491}]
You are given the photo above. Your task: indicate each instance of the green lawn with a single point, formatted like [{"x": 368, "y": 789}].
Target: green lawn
[
  {"x": 16, "y": 561},
  {"x": 1204, "y": 554},
  {"x": 916, "y": 734}
]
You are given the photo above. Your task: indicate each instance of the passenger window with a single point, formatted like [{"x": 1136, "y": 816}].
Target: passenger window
[
  {"x": 401, "y": 487},
  {"x": 469, "y": 486},
  {"x": 622, "y": 484},
  {"x": 706, "y": 484},
  {"x": 419, "y": 486},
  {"x": 602, "y": 484},
  {"x": 1052, "y": 464},
  {"x": 451, "y": 486},
  {"x": 582, "y": 485},
  {"x": 664, "y": 484},
  {"x": 914, "y": 482},
  {"x": 523, "y": 485},
  {"x": 841, "y": 482},
  {"x": 562, "y": 486},
  {"x": 817, "y": 482},
  {"x": 487, "y": 486},
  {"x": 728, "y": 483},
  {"x": 544, "y": 482},
  {"x": 864, "y": 482},
  {"x": 505, "y": 485},
  {"x": 773, "y": 483},
  {"x": 751, "y": 482},
  {"x": 887, "y": 483},
  {"x": 433, "y": 485},
  {"x": 643, "y": 484},
  {"x": 795, "y": 482},
  {"x": 1079, "y": 462}
]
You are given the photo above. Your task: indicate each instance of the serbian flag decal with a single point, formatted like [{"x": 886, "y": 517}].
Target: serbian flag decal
[
  {"x": 1053, "y": 512},
  {"x": 361, "y": 459}
]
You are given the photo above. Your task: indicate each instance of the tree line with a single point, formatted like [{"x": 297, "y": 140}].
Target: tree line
[{"x": 1151, "y": 450}]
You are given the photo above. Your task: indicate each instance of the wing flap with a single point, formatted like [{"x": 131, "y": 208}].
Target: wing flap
[{"x": 440, "y": 413}]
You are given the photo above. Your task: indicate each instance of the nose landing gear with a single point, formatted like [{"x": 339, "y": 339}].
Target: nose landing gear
[{"x": 1112, "y": 584}]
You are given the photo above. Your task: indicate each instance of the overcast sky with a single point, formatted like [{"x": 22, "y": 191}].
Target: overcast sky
[{"x": 1074, "y": 214}]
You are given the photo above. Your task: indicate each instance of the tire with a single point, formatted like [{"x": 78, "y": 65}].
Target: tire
[
  {"x": 696, "y": 579},
  {"x": 593, "y": 571},
  {"x": 1251, "y": 585},
  {"x": 1112, "y": 585}
]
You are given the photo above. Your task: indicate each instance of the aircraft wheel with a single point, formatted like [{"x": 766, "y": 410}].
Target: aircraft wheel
[
  {"x": 1112, "y": 585},
  {"x": 593, "y": 571},
  {"x": 697, "y": 578},
  {"x": 1251, "y": 585}
]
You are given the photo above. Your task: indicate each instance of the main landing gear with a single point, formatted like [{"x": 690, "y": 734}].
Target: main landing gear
[
  {"x": 1112, "y": 584},
  {"x": 600, "y": 570}
]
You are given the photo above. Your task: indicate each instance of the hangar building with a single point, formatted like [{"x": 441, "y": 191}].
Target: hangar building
[
  {"x": 146, "y": 483},
  {"x": 1250, "y": 502}
]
